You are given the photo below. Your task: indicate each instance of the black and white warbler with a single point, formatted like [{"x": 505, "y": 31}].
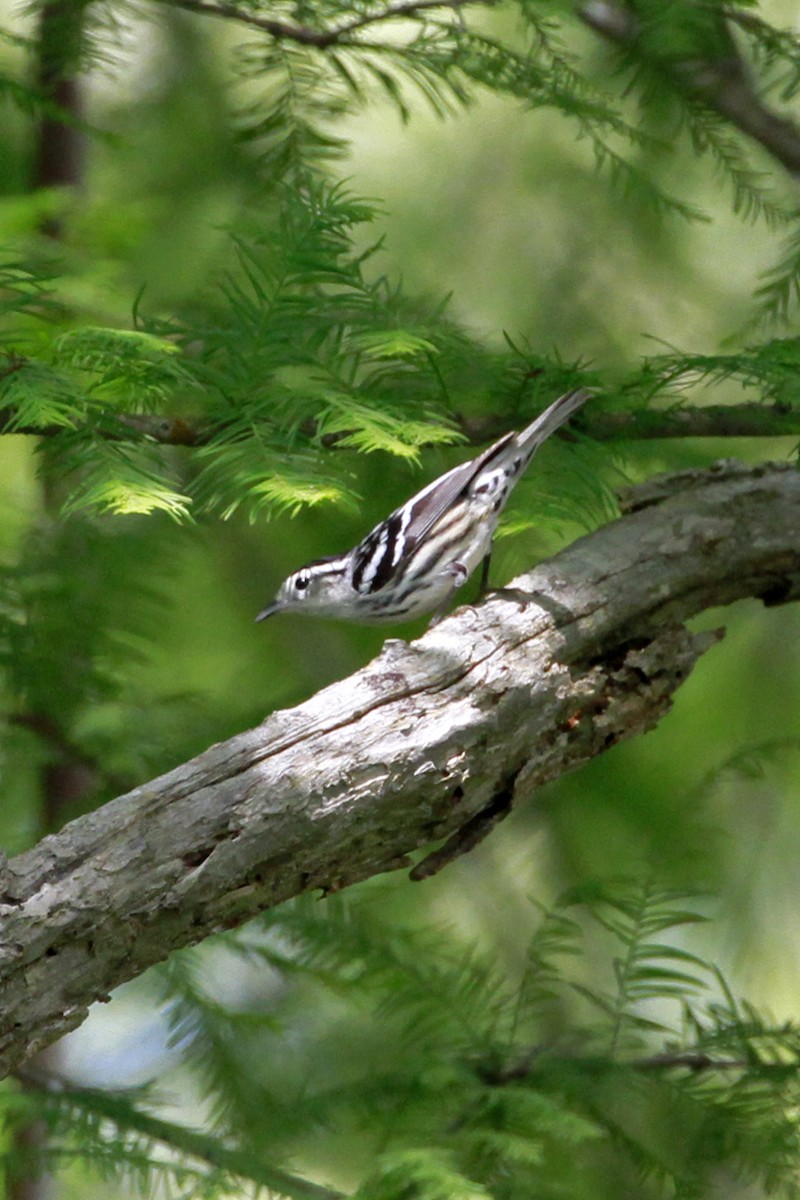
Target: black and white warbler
[{"x": 413, "y": 562}]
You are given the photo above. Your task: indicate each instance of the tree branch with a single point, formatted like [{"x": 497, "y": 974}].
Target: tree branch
[
  {"x": 406, "y": 751},
  {"x": 713, "y": 420},
  {"x": 304, "y": 35},
  {"x": 721, "y": 81},
  {"x": 106, "y": 1104},
  {"x": 539, "y": 1058},
  {"x": 206, "y": 1149}
]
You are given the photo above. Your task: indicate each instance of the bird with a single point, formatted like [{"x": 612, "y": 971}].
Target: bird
[{"x": 413, "y": 562}]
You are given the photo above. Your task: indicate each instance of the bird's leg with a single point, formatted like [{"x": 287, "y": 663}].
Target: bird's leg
[
  {"x": 483, "y": 582},
  {"x": 459, "y": 573},
  {"x": 506, "y": 592},
  {"x": 484, "y": 590}
]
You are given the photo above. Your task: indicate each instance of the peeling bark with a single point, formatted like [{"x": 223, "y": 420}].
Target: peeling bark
[{"x": 491, "y": 703}]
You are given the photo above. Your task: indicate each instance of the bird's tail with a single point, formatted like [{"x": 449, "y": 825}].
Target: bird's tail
[{"x": 530, "y": 438}]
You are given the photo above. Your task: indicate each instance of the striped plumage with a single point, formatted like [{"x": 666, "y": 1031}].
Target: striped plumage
[{"x": 413, "y": 561}]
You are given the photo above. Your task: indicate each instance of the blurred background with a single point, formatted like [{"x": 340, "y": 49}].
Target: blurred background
[{"x": 501, "y": 212}]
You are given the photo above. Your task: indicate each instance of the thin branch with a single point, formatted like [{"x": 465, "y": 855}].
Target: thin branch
[
  {"x": 711, "y": 421},
  {"x": 587, "y": 650},
  {"x": 723, "y": 83},
  {"x": 123, "y": 427},
  {"x": 539, "y": 1059},
  {"x": 469, "y": 835},
  {"x": 698, "y": 1061},
  {"x": 78, "y": 770},
  {"x": 321, "y": 38},
  {"x": 192, "y": 1143}
]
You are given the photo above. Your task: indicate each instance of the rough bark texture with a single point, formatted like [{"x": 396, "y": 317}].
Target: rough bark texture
[{"x": 490, "y": 704}]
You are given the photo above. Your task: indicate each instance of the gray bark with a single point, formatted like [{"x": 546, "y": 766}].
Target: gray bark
[{"x": 473, "y": 716}]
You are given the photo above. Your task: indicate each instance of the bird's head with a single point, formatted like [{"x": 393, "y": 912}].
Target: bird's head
[{"x": 315, "y": 588}]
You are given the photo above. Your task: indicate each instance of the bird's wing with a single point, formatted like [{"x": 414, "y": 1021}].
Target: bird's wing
[
  {"x": 434, "y": 500},
  {"x": 429, "y": 504},
  {"x": 377, "y": 556}
]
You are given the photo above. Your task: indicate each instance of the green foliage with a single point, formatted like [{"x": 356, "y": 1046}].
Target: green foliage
[
  {"x": 298, "y": 337},
  {"x": 603, "y": 1053},
  {"x": 768, "y": 370},
  {"x": 131, "y": 367},
  {"x": 80, "y": 607},
  {"x": 296, "y": 348},
  {"x": 456, "y": 1078},
  {"x": 649, "y": 970},
  {"x": 780, "y": 291},
  {"x": 775, "y": 51},
  {"x": 291, "y": 123}
]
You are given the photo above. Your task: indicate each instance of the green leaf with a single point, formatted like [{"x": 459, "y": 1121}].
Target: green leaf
[
  {"x": 369, "y": 430},
  {"x": 37, "y": 397},
  {"x": 393, "y": 343},
  {"x": 424, "y": 1174},
  {"x": 127, "y": 367}
]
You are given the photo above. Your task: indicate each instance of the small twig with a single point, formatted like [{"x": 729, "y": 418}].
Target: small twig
[
  {"x": 123, "y": 427},
  {"x": 108, "y": 1104},
  {"x": 538, "y": 1059},
  {"x": 696, "y": 1061},
  {"x": 471, "y": 833},
  {"x": 321, "y": 38},
  {"x": 723, "y": 82},
  {"x": 714, "y": 421},
  {"x": 77, "y": 768}
]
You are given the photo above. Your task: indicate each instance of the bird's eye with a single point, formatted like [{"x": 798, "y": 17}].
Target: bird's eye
[{"x": 301, "y": 583}]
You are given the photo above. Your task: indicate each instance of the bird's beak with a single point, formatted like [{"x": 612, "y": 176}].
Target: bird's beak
[{"x": 268, "y": 612}]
